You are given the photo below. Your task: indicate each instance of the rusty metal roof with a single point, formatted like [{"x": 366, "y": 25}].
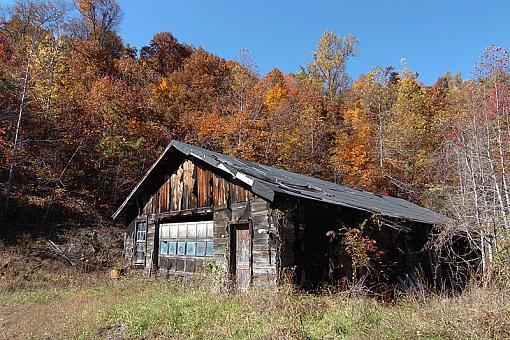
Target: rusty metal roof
[{"x": 266, "y": 181}]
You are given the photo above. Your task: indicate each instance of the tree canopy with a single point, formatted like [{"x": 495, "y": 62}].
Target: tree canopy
[{"x": 83, "y": 115}]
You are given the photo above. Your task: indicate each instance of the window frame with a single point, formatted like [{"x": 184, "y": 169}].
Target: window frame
[
  {"x": 166, "y": 235},
  {"x": 140, "y": 241}
]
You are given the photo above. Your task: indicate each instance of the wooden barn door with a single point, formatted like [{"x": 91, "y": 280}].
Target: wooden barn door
[{"x": 241, "y": 255}]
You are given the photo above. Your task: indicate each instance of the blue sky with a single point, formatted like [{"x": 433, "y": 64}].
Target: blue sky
[{"x": 433, "y": 36}]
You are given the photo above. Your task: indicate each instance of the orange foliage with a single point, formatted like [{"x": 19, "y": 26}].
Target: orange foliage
[{"x": 353, "y": 150}]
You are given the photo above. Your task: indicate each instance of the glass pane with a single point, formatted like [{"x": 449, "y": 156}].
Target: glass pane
[
  {"x": 140, "y": 226},
  {"x": 201, "y": 230},
  {"x": 140, "y": 236},
  {"x": 170, "y": 263},
  {"x": 173, "y": 230},
  {"x": 139, "y": 257},
  {"x": 182, "y": 231},
  {"x": 189, "y": 265},
  {"x": 165, "y": 231},
  {"x": 209, "y": 248},
  {"x": 139, "y": 254},
  {"x": 190, "y": 248},
  {"x": 181, "y": 248},
  {"x": 172, "y": 247},
  {"x": 192, "y": 230},
  {"x": 179, "y": 264},
  {"x": 210, "y": 232},
  {"x": 163, "y": 248},
  {"x": 200, "y": 248}
]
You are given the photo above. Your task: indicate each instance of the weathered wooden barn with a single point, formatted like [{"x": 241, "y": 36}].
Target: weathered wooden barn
[{"x": 261, "y": 224}]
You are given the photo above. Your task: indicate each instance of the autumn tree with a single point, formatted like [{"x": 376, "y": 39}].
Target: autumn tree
[
  {"x": 243, "y": 124},
  {"x": 477, "y": 149},
  {"x": 408, "y": 140},
  {"x": 353, "y": 153},
  {"x": 24, "y": 28},
  {"x": 360, "y": 147},
  {"x": 193, "y": 97},
  {"x": 328, "y": 68},
  {"x": 99, "y": 19},
  {"x": 165, "y": 54}
]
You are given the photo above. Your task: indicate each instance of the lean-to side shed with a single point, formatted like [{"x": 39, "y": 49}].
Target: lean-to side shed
[{"x": 259, "y": 223}]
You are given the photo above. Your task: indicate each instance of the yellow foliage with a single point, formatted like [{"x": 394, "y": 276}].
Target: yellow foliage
[
  {"x": 357, "y": 85},
  {"x": 163, "y": 85},
  {"x": 274, "y": 95}
]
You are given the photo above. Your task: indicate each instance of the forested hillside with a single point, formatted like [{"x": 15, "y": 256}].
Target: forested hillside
[{"x": 83, "y": 115}]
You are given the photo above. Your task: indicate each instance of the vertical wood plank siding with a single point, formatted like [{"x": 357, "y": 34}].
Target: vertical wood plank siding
[
  {"x": 192, "y": 187},
  {"x": 129, "y": 244},
  {"x": 264, "y": 249}
]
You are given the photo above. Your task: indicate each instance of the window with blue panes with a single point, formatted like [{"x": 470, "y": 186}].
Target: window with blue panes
[
  {"x": 172, "y": 247},
  {"x": 186, "y": 239},
  {"x": 163, "y": 247},
  {"x": 181, "y": 248}
]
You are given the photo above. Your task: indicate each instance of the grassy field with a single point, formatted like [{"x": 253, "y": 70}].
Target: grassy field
[{"x": 143, "y": 308}]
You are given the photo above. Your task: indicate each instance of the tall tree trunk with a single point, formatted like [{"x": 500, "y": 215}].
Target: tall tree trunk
[{"x": 16, "y": 140}]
